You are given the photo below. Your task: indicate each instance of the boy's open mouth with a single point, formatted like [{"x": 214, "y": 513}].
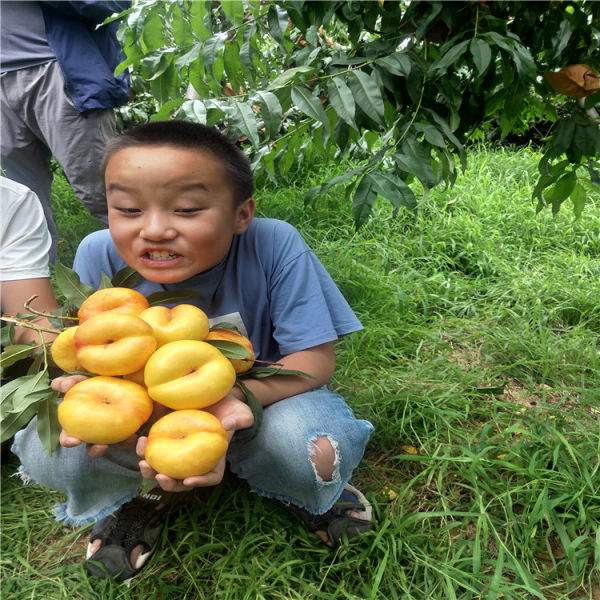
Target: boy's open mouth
[{"x": 161, "y": 255}]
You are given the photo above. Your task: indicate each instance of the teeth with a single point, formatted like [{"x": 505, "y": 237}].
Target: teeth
[{"x": 162, "y": 255}]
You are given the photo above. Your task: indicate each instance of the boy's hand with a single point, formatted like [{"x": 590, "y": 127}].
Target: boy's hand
[
  {"x": 233, "y": 414},
  {"x": 94, "y": 450},
  {"x": 64, "y": 384}
]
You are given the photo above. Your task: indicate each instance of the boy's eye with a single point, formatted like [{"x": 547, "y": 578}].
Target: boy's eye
[
  {"x": 187, "y": 211},
  {"x": 128, "y": 211}
]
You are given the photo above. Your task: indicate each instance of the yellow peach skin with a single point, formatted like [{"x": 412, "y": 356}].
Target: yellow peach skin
[
  {"x": 63, "y": 351},
  {"x": 104, "y": 410},
  {"x": 114, "y": 344},
  {"x": 115, "y": 299},
  {"x": 182, "y": 322},
  {"x": 185, "y": 443},
  {"x": 188, "y": 374}
]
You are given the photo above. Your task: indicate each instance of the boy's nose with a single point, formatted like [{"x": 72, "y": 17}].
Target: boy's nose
[{"x": 157, "y": 227}]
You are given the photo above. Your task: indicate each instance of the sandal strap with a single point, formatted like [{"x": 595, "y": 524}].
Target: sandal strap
[
  {"x": 337, "y": 521},
  {"x": 136, "y": 523}
]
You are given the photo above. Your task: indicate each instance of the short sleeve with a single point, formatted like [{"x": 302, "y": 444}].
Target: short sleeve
[
  {"x": 307, "y": 308},
  {"x": 24, "y": 237}
]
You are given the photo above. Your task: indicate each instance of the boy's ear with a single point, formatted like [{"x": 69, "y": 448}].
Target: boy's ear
[{"x": 244, "y": 215}]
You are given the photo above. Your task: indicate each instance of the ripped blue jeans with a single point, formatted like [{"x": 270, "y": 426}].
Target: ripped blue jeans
[{"x": 276, "y": 463}]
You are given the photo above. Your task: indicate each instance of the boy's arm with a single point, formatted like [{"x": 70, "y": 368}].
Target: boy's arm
[{"x": 318, "y": 361}]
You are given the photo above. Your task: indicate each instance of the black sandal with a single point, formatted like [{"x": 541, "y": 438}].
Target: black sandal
[
  {"x": 136, "y": 523},
  {"x": 337, "y": 521}
]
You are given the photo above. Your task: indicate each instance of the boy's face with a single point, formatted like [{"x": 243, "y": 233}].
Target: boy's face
[{"x": 170, "y": 211}]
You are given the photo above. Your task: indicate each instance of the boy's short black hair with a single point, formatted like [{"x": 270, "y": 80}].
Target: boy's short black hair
[{"x": 184, "y": 134}]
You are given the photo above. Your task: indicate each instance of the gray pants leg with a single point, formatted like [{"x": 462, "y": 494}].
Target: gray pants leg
[{"x": 38, "y": 121}]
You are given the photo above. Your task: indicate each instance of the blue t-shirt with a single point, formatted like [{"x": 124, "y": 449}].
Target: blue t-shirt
[{"x": 270, "y": 284}]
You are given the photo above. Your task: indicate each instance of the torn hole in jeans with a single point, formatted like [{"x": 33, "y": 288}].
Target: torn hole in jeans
[{"x": 316, "y": 451}]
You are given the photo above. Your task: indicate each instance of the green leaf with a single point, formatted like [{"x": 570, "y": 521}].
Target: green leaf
[
  {"x": 32, "y": 388},
  {"x": 543, "y": 182},
  {"x": 367, "y": 95},
  {"x": 172, "y": 297},
  {"x": 448, "y": 59},
  {"x": 247, "y": 50},
  {"x": 211, "y": 50},
  {"x": 262, "y": 372},
  {"x": 342, "y": 100},
  {"x": 310, "y": 105},
  {"x": 561, "y": 191},
  {"x": 319, "y": 190},
  {"x": 147, "y": 486},
  {"x": 225, "y": 325},
  {"x": 126, "y": 277},
  {"x": 6, "y": 393},
  {"x": 562, "y": 135},
  {"x": 255, "y": 406},
  {"x": 156, "y": 64},
  {"x": 432, "y": 135},
  {"x": 14, "y": 353},
  {"x": 105, "y": 282},
  {"x": 233, "y": 65},
  {"x": 152, "y": 34},
  {"x": 234, "y": 11},
  {"x": 243, "y": 120},
  {"x": 446, "y": 129},
  {"x": 167, "y": 109},
  {"x": 198, "y": 12},
  {"x": 397, "y": 64},
  {"x": 195, "y": 111},
  {"x": 278, "y": 20},
  {"x": 586, "y": 138},
  {"x": 594, "y": 173},
  {"x": 290, "y": 75},
  {"x": 190, "y": 57},
  {"x": 271, "y": 111},
  {"x": 7, "y": 334},
  {"x": 415, "y": 159},
  {"x": 578, "y": 199},
  {"x": 363, "y": 200},
  {"x": 15, "y": 422},
  {"x": 231, "y": 350},
  {"x": 182, "y": 31},
  {"x": 394, "y": 189},
  {"x": 48, "y": 426},
  {"x": 70, "y": 285},
  {"x": 481, "y": 53}
]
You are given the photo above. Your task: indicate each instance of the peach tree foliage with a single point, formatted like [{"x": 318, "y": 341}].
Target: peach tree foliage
[{"x": 400, "y": 86}]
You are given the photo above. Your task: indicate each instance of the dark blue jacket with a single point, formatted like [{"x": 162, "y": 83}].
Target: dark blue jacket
[{"x": 87, "y": 54}]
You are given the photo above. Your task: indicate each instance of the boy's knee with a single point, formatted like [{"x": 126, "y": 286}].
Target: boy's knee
[{"x": 324, "y": 457}]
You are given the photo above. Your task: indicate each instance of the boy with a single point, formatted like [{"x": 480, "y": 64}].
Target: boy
[{"x": 181, "y": 214}]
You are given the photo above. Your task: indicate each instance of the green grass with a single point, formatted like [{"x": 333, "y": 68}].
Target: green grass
[{"x": 479, "y": 353}]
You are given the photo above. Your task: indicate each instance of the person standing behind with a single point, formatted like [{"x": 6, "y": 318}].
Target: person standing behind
[
  {"x": 58, "y": 92},
  {"x": 24, "y": 246}
]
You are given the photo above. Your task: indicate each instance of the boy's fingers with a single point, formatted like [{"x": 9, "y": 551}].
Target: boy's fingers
[
  {"x": 68, "y": 441},
  {"x": 146, "y": 470},
  {"x": 64, "y": 384},
  {"x": 172, "y": 485},
  {"x": 140, "y": 447},
  {"x": 96, "y": 450}
]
